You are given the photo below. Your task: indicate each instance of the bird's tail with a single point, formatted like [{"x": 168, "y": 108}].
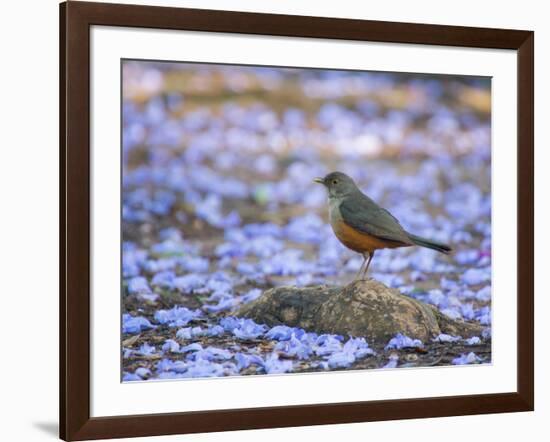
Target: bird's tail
[{"x": 428, "y": 243}]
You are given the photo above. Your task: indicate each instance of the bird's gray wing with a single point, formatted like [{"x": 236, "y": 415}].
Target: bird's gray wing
[{"x": 365, "y": 215}]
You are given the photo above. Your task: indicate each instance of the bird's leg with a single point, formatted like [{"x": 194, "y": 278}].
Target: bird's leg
[
  {"x": 371, "y": 255},
  {"x": 362, "y": 265}
]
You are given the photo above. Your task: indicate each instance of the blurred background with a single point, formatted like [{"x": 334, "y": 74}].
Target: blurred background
[{"x": 218, "y": 198}]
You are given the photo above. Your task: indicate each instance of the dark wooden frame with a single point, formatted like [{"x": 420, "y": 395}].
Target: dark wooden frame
[{"x": 75, "y": 21}]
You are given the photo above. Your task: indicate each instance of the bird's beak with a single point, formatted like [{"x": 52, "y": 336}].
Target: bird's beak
[{"x": 319, "y": 180}]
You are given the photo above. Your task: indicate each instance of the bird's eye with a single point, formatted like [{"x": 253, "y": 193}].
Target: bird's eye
[{"x": 334, "y": 181}]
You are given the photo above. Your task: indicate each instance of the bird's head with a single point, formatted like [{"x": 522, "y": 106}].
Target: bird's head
[{"x": 338, "y": 184}]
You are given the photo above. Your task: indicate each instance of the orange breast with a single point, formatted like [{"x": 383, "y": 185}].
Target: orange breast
[{"x": 358, "y": 241}]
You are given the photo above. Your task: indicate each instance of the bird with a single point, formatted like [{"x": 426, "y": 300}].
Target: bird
[{"x": 362, "y": 225}]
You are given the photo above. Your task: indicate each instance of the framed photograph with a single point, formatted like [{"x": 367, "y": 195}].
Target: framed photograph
[{"x": 272, "y": 221}]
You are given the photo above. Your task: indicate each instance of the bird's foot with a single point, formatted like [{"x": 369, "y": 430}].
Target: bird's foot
[{"x": 364, "y": 278}]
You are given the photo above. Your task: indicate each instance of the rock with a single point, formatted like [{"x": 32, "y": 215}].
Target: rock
[{"x": 362, "y": 308}]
